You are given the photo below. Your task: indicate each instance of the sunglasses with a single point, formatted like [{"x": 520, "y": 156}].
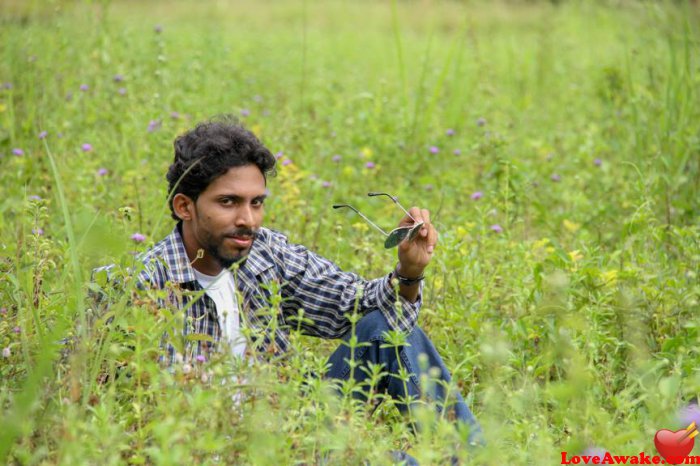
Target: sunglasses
[{"x": 395, "y": 236}]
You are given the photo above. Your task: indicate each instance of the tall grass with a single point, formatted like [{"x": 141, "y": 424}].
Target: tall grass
[{"x": 564, "y": 298}]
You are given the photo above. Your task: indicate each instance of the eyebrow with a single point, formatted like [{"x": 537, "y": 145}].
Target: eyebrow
[{"x": 237, "y": 198}]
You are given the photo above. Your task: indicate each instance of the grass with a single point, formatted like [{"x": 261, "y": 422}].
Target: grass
[{"x": 575, "y": 326}]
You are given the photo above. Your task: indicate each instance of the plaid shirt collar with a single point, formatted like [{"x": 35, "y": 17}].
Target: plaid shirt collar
[{"x": 175, "y": 256}]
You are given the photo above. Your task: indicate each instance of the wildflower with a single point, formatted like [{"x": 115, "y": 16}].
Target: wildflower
[
  {"x": 122, "y": 91},
  {"x": 6, "y": 353},
  {"x": 481, "y": 122},
  {"x": 43, "y": 135},
  {"x": 84, "y": 87},
  {"x": 457, "y": 152},
  {"x": 337, "y": 158},
  {"x": 157, "y": 28},
  {"x": 153, "y": 125},
  {"x": 597, "y": 162},
  {"x": 186, "y": 368},
  {"x": 326, "y": 184},
  {"x": 434, "y": 149},
  {"x": 34, "y": 197},
  {"x": 555, "y": 177},
  {"x": 496, "y": 228},
  {"x": 477, "y": 195},
  {"x": 59, "y": 135},
  {"x": 18, "y": 152},
  {"x": 16, "y": 329},
  {"x": 38, "y": 231},
  {"x": 7, "y": 85},
  {"x": 690, "y": 414},
  {"x": 428, "y": 187},
  {"x": 279, "y": 155},
  {"x": 595, "y": 452},
  {"x": 86, "y": 147},
  {"x": 205, "y": 378},
  {"x": 370, "y": 165},
  {"x": 245, "y": 112},
  {"x": 69, "y": 96},
  {"x": 286, "y": 162},
  {"x": 118, "y": 78},
  {"x": 201, "y": 358},
  {"x": 3, "y": 311},
  {"x": 138, "y": 237},
  {"x": 102, "y": 172},
  {"x": 450, "y": 132},
  {"x": 257, "y": 98},
  {"x": 174, "y": 115}
]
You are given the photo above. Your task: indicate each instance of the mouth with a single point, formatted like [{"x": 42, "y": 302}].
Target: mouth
[{"x": 241, "y": 241}]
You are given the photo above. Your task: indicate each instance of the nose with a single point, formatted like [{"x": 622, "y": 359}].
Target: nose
[{"x": 244, "y": 217}]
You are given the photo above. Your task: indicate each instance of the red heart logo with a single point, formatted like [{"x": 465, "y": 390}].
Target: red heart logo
[{"x": 674, "y": 446}]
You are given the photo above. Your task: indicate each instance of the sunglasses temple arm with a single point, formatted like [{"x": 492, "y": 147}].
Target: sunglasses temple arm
[
  {"x": 395, "y": 201},
  {"x": 338, "y": 206}
]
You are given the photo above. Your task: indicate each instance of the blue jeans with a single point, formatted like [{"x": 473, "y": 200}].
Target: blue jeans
[{"x": 369, "y": 329}]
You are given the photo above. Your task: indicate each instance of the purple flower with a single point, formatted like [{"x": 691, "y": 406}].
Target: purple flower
[
  {"x": 257, "y": 98},
  {"x": 43, "y": 135},
  {"x": 138, "y": 237},
  {"x": 38, "y": 231},
  {"x": 279, "y": 155},
  {"x": 201, "y": 358},
  {"x": 481, "y": 122},
  {"x": 434, "y": 149},
  {"x": 16, "y": 329},
  {"x": 102, "y": 172},
  {"x": 34, "y": 197},
  {"x": 3, "y": 311},
  {"x": 153, "y": 125},
  {"x": 7, "y": 85},
  {"x": 326, "y": 184},
  {"x": 118, "y": 78},
  {"x": 122, "y": 91},
  {"x": 69, "y": 96},
  {"x": 18, "y": 152},
  {"x": 157, "y": 28},
  {"x": 690, "y": 414},
  {"x": 428, "y": 187},
  {"x": 496, "y": 228},
  {"x": 245, "y": 112},
  {"x": 174, "y": 115},
  {"x": 86, "y": 147},
  {"x": 6, "y": 353},
  {"x": 595, "y": 452},
  {"x": 370, "y": 165},
  {"x": 597, "y": 162},
  {"x": 84, "y": 87},
  {"x": 286, "y": 162},
  {"x": 450, "y": 132},
  {"x": 59, "y": 135},
  {"x": 337, "y": 158},
  {"x": 477, "y": 195},
  {"x": 555, "y": 177},
  {"x": 457, "y": 152}
]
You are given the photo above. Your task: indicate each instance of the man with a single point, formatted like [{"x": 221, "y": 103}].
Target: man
[{"x": 223, "y": 267}]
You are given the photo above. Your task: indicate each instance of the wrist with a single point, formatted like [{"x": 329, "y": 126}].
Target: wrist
[{"x": 411, "y": 278}]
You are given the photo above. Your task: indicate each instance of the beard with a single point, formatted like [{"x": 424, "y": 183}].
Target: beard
[{"x": 226, "y": 258}]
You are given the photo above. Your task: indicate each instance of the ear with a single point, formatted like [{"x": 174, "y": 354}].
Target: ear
[{"x": 183, "y": 207}]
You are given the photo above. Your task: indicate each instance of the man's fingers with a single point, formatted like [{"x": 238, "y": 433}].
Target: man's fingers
[{"x": 425, "y": 214}]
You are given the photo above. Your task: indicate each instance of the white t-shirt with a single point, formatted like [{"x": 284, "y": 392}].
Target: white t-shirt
[{"x": 222, "y": 289}]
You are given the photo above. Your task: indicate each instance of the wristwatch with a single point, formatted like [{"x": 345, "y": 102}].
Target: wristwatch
[{"x": 405, "y": 280}]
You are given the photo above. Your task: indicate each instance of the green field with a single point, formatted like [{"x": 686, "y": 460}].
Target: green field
[{"x": 557, "y": 146}]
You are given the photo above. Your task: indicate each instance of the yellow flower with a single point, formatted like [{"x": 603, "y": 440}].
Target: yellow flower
[
  {"x": 366, "y": 152},
  {"x": 609, "y": 277},
  {"x": 571, "y": 226},
  {"x": 575, "y": 256}
]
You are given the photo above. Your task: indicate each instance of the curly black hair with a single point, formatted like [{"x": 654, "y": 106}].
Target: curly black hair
[{"x": 206, "y": 152}]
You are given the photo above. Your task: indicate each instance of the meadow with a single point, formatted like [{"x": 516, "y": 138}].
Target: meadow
[{"x": 557, "y": 145}]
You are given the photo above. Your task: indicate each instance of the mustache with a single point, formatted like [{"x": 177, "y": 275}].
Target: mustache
[{"x": 242, "y": 232}]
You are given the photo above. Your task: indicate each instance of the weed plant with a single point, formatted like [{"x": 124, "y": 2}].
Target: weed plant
[{"x": 556, "y": 144}]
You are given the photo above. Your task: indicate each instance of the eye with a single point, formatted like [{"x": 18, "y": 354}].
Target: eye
[
  {"x": 258, "y": 202},
  {"x": 227, "y": 201}
]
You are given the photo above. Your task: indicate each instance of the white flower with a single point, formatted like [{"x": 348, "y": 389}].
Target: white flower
[{"x": 6, "y": 353}]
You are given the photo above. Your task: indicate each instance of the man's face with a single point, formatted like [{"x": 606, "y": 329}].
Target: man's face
[{"x": 228, "y": 213}]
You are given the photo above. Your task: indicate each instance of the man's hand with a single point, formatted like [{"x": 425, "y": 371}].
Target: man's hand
[{"x": 415, "y": 255}]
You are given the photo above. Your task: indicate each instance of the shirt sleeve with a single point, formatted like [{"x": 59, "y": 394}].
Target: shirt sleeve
[{"x": 329, "y": 295}]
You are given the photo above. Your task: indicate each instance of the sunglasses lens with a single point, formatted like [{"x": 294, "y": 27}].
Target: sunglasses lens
[
  {"x": 414, "y": 231},
  {"x": 395, "y": 237}
]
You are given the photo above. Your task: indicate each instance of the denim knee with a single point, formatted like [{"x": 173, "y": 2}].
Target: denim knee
[{"x": 371, "y": 326}]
